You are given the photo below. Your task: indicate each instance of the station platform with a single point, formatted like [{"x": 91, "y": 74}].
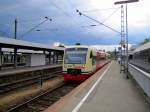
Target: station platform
[
  {"x": 105, "y": 91},
  {"x": 26, "y": 69}
]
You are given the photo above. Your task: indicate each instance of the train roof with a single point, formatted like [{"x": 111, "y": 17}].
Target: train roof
[
  {"x": 21, "y": 44},
  {"x": 142, "y": 47},
  {"x": 78, "y": 46},
  {"x": 22, "y": 51},
  {"x": 86, "y": 46},
  {"x": 82, "y": 46}
]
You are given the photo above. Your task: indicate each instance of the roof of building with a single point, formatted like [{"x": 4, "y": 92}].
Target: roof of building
[
  {"x": 143, "y": 47},
  {"x": 21, "y": 44},
  {"x": 22, "y": 51}
]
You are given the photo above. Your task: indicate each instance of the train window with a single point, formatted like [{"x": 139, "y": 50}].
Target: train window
[
  {"x": 75, "y": 58},
  {"x": 94, "y": 60},
  {"x": 144, "y": 55},
  {"x": 82, "y": 49},
  {"x": 149, "y": 56},
  {"x": 70, "y": 49},
  {"x": 75, "y": 55},
  {"x": 148, "y": 59},
  {"x": 130, "y": 57}
]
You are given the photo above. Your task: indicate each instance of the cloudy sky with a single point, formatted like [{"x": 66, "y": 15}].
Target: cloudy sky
[{"x": 67, "y": 26}]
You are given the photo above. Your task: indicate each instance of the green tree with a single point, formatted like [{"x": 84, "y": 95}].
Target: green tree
[
  {"x": 61, "y": 46},
  {"x": 78, "y": 43},
  {"x": 145, "y": 41}
]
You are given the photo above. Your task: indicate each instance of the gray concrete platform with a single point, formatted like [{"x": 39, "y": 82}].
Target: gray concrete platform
[
  {"x": 113, "y": 93},
  {"x": 26, "y": 69}
]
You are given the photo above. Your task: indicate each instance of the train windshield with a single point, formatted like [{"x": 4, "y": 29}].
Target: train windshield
[{"x": 75, "y": 55}]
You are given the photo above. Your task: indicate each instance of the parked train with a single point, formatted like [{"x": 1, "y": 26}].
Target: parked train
[
  {"x": 141, "y": 57},
  {"x": 80, "y": 62}
]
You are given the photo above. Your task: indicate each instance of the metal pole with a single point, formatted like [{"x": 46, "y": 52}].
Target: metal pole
[
  {"x": 15, "y": 29},
  {"x": 126, "y": 2},
  {"x": 15, "y": 49},
  {"x": 127, "y": 41},
  {"x": 0, "y": 58},
  {"x": 53, "y": 57},
  {"x": 57, "y": 54},
  {"x": 41, "y": 78},
  {"x": 122, "y": 64},
  {"x": 121, "y": 38},
  {"x": 49, "y": 56}
]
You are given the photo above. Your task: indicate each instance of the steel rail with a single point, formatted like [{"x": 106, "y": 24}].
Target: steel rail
[
  {"x": 25, "y": 82},
  {"x": 36, "y": 97}
]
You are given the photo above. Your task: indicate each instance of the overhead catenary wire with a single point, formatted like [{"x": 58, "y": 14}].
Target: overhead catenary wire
[
  {"x": 30, "y": 20},
  {"x": 61, "y": 10},
  {"x": 106, "y": 9},
  {"x": 65, "y": 13},
  {"x": 23, "y": 23},
  {"x": 110, "y": 15},
  {"x": 2, "y": 33},
  {"x": 35, "y": 26},
  {"x": 57, "y": 7},
  {"x": 89, "y": 26},
  {"x": 80, "y": 13},
  {"x": 75, "y": 20},
  {"x": 47, "y": 29},
  {"x": 8, "y": 26},
  {"x": 73, "y": 8},
  {"x": 69, "y": 2},
  {"x": 93, "y": 25},
  {"x": 4, "y": 24},
  {"x": 97, "y": 10}
]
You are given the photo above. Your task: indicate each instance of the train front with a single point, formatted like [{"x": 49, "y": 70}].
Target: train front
[{"x": 74, "y": 64}]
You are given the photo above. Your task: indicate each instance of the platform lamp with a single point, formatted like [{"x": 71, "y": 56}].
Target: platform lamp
[{"x": 126, "y": 2}]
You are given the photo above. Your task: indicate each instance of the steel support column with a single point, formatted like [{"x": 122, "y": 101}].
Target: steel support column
[
  {"x": 15, "y": 57},
  {"x": 49, "y": 57},
  {"x": 122, "y": 64},
  {"x": 53, "y": 57},
  {"x": 127, "y": 41},
  {"x": 57, "y": 54},
  {"x": 0, "y": 58}
]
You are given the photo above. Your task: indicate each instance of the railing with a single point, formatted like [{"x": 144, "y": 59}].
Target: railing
[{"x": 141, "y": 77}]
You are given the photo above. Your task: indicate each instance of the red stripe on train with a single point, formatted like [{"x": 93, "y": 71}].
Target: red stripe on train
[{"x": 82, "y": 77}]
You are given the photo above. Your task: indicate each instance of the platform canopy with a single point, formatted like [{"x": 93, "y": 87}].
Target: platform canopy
[
  {"x": 143, "y": 47},
  {"x": 21, "y": 44}
]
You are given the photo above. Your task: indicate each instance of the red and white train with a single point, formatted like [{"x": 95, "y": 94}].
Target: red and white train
[{"x": 80, "y": 62}]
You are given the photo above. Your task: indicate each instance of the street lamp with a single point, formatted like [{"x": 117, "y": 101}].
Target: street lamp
[
  {"x": 126, "y": 2},
  {"x": 92, "y": 25},
  {"x": 55, "y": 29}
]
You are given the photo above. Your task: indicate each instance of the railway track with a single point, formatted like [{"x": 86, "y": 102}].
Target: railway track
[
  {"x": 44, "y": 100},
  {"x": 26, "y": 81}
]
